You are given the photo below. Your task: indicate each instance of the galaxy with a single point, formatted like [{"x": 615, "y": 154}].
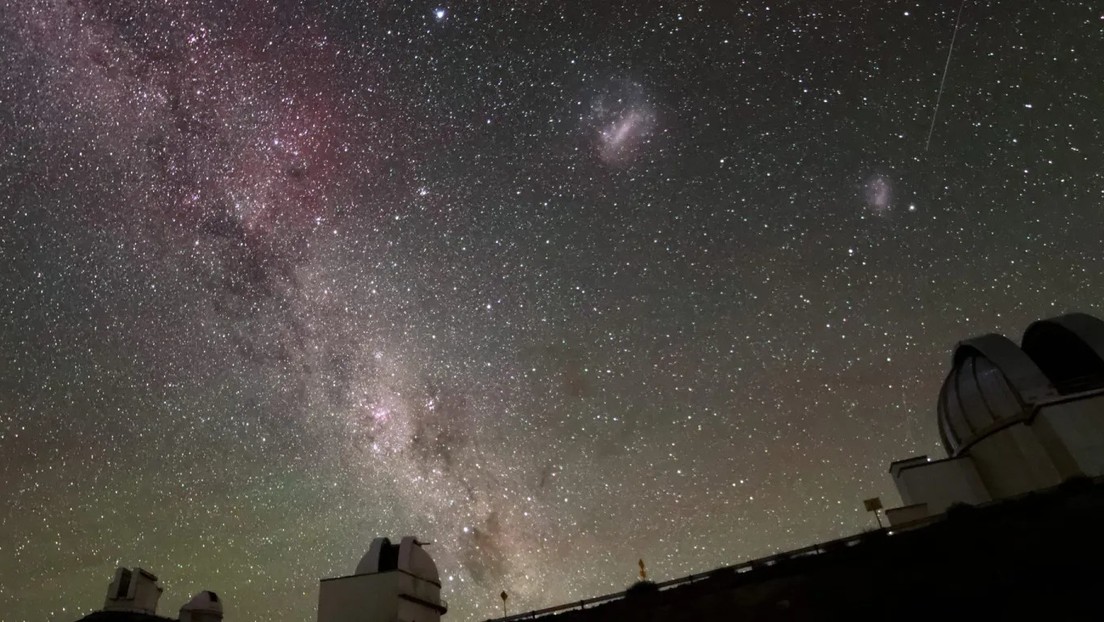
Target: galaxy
[
  {"x": 878, "y": 193},
  {"x": 556, "y": 286},
  {"x": 622, "y": 119}
]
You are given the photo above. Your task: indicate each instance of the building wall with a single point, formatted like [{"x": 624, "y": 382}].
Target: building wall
[
  {"x": 1065, "y": 439},
  {"x": 422, "y": 590},
  {"x": 1013, "y": 461},
  {"x": 360, "y": 598},
  {"x": 377, "y": 598},
  {"x": 907, "y": 514},
  {"x": 414, "y": 612},
  {"x": 1073, "y": 434},
  {"x": 941, "y": 483}
]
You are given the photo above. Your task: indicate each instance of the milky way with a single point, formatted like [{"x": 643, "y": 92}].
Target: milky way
[{"x": 554, "y": 286}]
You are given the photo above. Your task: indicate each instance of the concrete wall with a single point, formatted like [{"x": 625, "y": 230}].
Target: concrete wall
[
  {"x": 414, "y": 612},
  {"x": 1013, "y": 461},
  {"x": 907, "y": 514},
  {"x": 421, "y": 590},
  {"x": 941, "y": 483},
  {"x": 1073, "y": 435},
  {"x": 1065, "y": 439},
  {"x": 360, "y": 598},
  {"x": 378, "y": 598}
]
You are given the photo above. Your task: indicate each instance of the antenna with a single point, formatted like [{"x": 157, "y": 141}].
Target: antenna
[
  {"x": 504, "y": 596},
  {"x": 643, "y": 570}
]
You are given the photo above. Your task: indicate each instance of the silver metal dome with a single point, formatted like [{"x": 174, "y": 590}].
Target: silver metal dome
[
  {"x": 992, "y": 382},
  {"x": 1070, "y": 351}
]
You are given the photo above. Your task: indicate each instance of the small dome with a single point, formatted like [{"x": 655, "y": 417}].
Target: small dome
[
  {"x": 992, "y": 381},
  {"x": 204, "y": 602}
]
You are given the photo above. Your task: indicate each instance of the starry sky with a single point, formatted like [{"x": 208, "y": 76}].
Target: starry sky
[{"x": 553, "y": 285}]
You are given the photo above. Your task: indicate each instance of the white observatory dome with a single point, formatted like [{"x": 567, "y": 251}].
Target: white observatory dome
[
  {"x": 993, "y": 382},
  {"x": 407, "y": 556},
  {"x": 393, "y": 581},
  {"x": 203, "y": 607}
]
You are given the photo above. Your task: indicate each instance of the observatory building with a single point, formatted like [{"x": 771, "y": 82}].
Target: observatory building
[
  {"x": 1013, "y": 419},
  {"x": 133, "y": 591},
  {"x": 203, "y": 607},
  {"x": 132, "y": 596},
  {"x": 1007, "y": 525},
  {"x": 392, "y": 583}
]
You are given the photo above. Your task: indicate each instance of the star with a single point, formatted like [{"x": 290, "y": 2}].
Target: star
[{"x": 282, "y": 277}]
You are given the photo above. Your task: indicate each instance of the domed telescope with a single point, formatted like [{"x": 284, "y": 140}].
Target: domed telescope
[
  {"x": 392, "y": 583},
  {"x": 1013, "y": 419},
  {"x": 203, "y": 607}
]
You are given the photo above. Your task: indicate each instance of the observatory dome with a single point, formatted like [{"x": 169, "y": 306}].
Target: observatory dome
[
  {"x": 407, "y": 556},
  {"x": 203, "y": 607},
  {"x": 992, "y": 382},
  {"x": 1070, "y": 351}
]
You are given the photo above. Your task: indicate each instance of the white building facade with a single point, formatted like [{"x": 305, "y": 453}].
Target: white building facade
[
  {"x": 1013, "y": 419},
  {"x": 392, "y": 583}
]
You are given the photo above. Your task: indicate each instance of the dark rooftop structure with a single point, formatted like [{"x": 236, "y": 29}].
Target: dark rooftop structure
[
  {"x": 1007, "y": 525},
  {"x": 1034, "y": 557}
]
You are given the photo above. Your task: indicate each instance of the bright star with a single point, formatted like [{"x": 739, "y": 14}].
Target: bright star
[{"x": 440, "y": 14}]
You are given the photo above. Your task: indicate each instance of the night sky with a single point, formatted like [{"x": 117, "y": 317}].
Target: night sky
[{"x": 554, "y": 285}]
